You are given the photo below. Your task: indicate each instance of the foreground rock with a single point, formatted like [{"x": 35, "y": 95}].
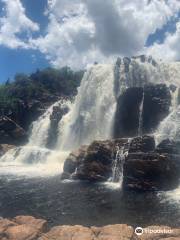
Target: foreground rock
[
  {"x": 146, "y": 167},
  {"x": 22, "y": 228},
  {"x": 30, "y": 228}
]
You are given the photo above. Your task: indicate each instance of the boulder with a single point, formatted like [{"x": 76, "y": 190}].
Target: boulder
[
  {"x": 30, "y": 228},
  {"x": 93, "y": 162},
  {"x": 145, "y": 168},
  {"x": 149, "y": 168},
  {"x": 22, "y": 228},
  {"x": 151, "y": 171}
]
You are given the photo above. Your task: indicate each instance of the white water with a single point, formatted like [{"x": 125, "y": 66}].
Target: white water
[
  {"x": 170, "y": 126},
  {"x": 140, "y": 128},
  {"x": 91, "y": 116},
  {"x": 34, "y": 159},
  {"x": 118, "y": 163},
  {"x": 141, "y": 73}
]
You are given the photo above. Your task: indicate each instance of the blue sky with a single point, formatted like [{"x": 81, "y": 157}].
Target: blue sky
[{"x": 39, "y": 33}]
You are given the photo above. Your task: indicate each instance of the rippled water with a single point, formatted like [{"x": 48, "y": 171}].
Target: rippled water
[{"x": 84, "y": 203}]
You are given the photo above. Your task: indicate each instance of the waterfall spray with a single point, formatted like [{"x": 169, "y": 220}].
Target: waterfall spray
[
  {"x": 140, "y": 127},
  {"x": 92, "y": 114},
  {"x": 117, "y": 168}
]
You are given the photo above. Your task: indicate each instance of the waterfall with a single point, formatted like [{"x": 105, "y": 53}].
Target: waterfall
[
  {"x": 170, "y": 126},
  {"x": 140, "y": 128},
  {"x": 118, "y": 162},
  {"x": 35, "y": 151},
  {"x": 92, "y": 114},
  {"x": 40, "y": 128}
]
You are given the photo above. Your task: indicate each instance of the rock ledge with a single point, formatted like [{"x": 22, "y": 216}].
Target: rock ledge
[{"x": 30, "y": 228}]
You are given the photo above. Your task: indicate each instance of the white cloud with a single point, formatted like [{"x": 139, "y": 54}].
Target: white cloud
[
  {"x": 81, "y": 32},
  {"x": 170, "y": 48},
  {"x": 15, "y": 22}
]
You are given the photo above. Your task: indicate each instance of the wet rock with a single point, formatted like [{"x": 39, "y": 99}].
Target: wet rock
[
  {"x": 142, "y": 144},
  {"x": 127, "y": 113},
  {"x": 157, "y": 101},
  {"x": 11, "y": 132},
  {"x": 93, "y": 162},
  {"x": 151, "y": 171},
  {"x": 74, "y": 159},
  {"x": 56, "y": 116},
  {"x": 172, "y": 87},
  {"x": 168, "y": 146}
]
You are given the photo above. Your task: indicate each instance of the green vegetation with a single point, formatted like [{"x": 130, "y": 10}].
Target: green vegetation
[{"x": 50, "y": 81}]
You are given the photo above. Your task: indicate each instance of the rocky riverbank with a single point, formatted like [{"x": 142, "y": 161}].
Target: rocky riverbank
[
  {"x": 30, "y": 228},
  {"x": 146, "y": 167}
]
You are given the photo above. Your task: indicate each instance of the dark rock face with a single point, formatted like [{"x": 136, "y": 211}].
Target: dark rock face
[
  {"x": 26, "y": 112},
  {"x": 127, "y": 113},
  {"x": 57, "y": 114},
  {"x": 168, "y": 146},
  {"x": 93, "y": 162},
  {"x": 11, "y": 133},
  {"x": 142, "y": 144},
  {"x": 155, "y": 100},
  {"x": 151, "y": 171},
  {"x": 147, "y": 168}
]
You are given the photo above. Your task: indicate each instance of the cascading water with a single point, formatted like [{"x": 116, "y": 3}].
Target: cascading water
[
  {"x": 92, "y": 114},
  {"x": 117, "y": 169},
  {"x": 140, "y": 128},
  {"x": 35, "y": 151},
  {"x": 169, "y": 128}
]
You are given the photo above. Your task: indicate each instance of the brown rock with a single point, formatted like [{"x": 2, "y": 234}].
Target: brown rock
[
  {"x": 39, "y": 224},
  {"x": 68, "y": 233},
  {"x": 22, "y": 228},
  {"x": 93, "y": 162},
  {"x": 4, "y": 224},
  {"x": 22, "y": 232},
  {"x": 114, "y": 232},
  {"x": 158, "y": 233},
  {"x": 29, "y": 228}
]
